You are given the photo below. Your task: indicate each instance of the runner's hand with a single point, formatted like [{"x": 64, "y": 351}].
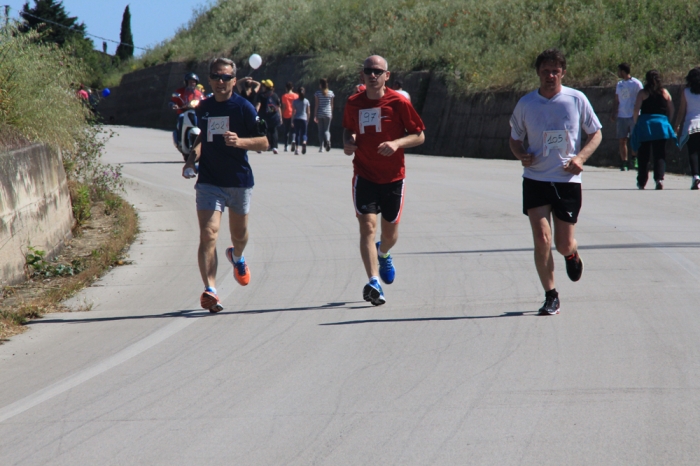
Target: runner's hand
[
  {"x": 387, "y": 148},
  {"x": 188, "y": 165},
  {"x": 574, "y": 166},
  {"x": 231, "y": 139},
  {"x": 349, "y": 146},
  {"x": 526, "y": 160}
]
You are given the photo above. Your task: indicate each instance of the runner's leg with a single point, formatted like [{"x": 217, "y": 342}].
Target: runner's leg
[
  {"x": 542, "y": 236},
  {"x": 643, "y": 165},
  {"x": 564, "y": 237},
  {"x": 368, "y": 248},
  {"x": 209, "y": 222},
  {"x": 238, "y": 224},
  {"x": 389, "y": 235}
]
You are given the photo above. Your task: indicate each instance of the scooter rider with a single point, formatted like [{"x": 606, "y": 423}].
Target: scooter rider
[{"x": 188, "y": 93}]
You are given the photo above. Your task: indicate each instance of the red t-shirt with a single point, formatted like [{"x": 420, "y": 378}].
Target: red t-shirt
[
  {"x": 287, "y": 99},
  {"x": 374, "y": 122}
]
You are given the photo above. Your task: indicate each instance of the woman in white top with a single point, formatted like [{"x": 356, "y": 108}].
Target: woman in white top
[
  {"x": 301, "y": 113},
  {"x": 323, "y": 113},
  {"x": 688, "y": 122}
]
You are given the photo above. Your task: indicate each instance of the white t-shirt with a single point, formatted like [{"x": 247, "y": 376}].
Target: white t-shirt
[
  {"x": 405, "y": 94},
  {"x": 626, "y": 92},
  {"x": 562, "y": 118}
]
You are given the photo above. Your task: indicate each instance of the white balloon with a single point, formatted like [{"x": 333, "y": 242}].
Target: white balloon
[{"x": 255, "y": 61}]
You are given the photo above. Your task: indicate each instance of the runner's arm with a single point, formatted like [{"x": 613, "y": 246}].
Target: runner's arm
[
  {"x": 195, "y": 153},
  {"x": 518, "y": 150},
  {"x": 411, "y": 140},
  {"x": 254, "y": 143},
  {"x": 575, "y": 165},
  {"x": 349, "y": 142}
]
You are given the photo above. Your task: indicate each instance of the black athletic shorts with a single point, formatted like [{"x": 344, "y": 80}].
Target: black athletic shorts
[
  {"x": 565, "y": 198},
  {"x": 373, "y": 198}
]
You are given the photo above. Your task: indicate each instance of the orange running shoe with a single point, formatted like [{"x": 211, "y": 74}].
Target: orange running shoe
[
  {"x": 209, "y": 300},
  {"x": 240, "y": 269}
]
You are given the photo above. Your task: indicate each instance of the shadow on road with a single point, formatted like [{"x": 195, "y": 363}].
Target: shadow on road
[
  {"x": 588, "y": 247},
  {"x": 189, "y": 313},
  {"x": 430, "y": 319}
]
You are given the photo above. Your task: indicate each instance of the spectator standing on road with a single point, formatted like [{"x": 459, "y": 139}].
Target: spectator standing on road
[
  {"x": 270, "y": 111},
  {"x": 301, "y": 114},
  {"x": 323, "y": 113},
  {"x": 287, "y": 98},
  {"x": 551, "y": 119},
  {"x": 378, "y": 125},
  {"x": 652, "y": 129},
  {"x": 398, "y": 87},
  {"x": 625, "y": 97},
  {"x": 230, "y": 127},
  {"x": 248, "y": 89},
  {"x": 688, "y": 122}
]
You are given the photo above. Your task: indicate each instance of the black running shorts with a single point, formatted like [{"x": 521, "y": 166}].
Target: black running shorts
[
  {"x": 565, "y": 198},
  {"x": 373, "y": 198}
]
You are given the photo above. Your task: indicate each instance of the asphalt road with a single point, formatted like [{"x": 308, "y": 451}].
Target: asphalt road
[{"x": 456, "y": 368}]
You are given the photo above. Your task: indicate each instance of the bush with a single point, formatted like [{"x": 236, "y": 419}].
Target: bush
[{"x": 475, "y": 44}]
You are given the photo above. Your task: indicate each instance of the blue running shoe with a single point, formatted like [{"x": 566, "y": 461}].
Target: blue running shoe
[
  {"x": 387, "y": 272},
  {"x": 373, "y": 293}
]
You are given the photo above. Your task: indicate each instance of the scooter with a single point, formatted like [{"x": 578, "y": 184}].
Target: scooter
[{"x": 186, "y": 126}]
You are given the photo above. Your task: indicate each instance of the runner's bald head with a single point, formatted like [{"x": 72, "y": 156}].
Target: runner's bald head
[{"x": 376, "y": 60}]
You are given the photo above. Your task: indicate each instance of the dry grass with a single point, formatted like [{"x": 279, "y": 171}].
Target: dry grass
[{"x": 101, "y": 245}]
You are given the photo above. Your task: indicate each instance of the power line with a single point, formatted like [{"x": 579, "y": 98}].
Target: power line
[{"x": 22, "y": 13}]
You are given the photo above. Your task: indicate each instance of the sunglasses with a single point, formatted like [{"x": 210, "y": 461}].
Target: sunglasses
[
  {"x": 374, "y": 71},
  {"x": 224, "y": 77}
]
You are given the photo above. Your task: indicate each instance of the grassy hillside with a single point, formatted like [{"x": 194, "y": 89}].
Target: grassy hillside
[{"x": 477, "y": 44}]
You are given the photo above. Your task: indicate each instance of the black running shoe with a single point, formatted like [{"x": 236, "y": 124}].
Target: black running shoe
[
  {"x": 550, "y": 306},
  {"x": 695, "y": 184},
  {"x": 574, "y": 267},
  {"x": 373, "y": 293}
]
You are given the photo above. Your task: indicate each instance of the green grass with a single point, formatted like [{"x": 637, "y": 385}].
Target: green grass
[{"x": 476, "y": 44}]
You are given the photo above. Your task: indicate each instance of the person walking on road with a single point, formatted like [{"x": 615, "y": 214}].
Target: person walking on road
[
  {"x": 551, "y": 119},
  {"x": 623, "y": 106},
  {"x": 378, "y": 125},
  {"x": 652, "y": 129},
  {"x": 323, "y": 113},
  {"x": 301, "y": 114},
  {"x": 688, "y": 122},
  {"x": 287, "y": 98},
  {"x": 230, "y": 127},
  {"x": 269, "y": 111}
]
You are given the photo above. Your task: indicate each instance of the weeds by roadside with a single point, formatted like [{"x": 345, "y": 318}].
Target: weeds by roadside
[{"x": 47, "y": 289}]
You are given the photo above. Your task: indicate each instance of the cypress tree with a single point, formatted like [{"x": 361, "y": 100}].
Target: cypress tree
[{"x": 125, "y": 50}]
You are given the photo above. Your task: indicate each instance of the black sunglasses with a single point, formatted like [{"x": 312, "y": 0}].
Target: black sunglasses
[
  {"x": 224, "y": 77},
  {"x": 374, "y": 71}
]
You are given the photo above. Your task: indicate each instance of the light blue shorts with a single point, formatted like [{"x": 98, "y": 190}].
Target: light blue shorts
[{"x": 210, "y": 197}]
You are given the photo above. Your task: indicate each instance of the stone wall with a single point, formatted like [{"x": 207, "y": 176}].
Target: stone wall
[
  {"x": 475, "y": 126},
  {"x": 35, "y": 207}
]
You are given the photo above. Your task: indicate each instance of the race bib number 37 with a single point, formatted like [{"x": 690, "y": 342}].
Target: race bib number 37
[
  {"x": 371, "y": 117},
  {"x": 216, "y": 125},
  {"x": 555, "y": 141}
]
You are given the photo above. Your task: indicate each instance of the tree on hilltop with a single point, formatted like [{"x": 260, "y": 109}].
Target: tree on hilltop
[
  {"x": 50, "y": 18},
  {"x": 125, "y": 50}
]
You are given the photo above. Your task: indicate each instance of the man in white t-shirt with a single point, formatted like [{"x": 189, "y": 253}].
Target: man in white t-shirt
[
  {"x": 551, "y": 119},
  {"x": 623, "y": 110}
]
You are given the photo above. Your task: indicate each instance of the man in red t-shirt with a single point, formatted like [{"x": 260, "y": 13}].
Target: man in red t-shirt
[
  {"x": 379, "y": 124},
  {"x": 287, "y": 98}
]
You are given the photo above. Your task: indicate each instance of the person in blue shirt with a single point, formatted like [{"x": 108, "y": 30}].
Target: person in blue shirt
[{"x": 229, "y": 128}]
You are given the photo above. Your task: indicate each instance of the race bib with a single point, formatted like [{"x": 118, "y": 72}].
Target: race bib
[
  {"x": 216, "y": 125},
  {"x": 371, "y": 117},
  {"x": 555, "y": 141}
]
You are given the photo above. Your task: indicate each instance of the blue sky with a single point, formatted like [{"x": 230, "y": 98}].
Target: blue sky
[{"x": 152, "y": 21}]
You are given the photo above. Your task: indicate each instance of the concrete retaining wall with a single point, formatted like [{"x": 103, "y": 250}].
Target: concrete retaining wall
[
  {"x": 35, "y": 207},
  {"x": 475, "y": 126}
]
